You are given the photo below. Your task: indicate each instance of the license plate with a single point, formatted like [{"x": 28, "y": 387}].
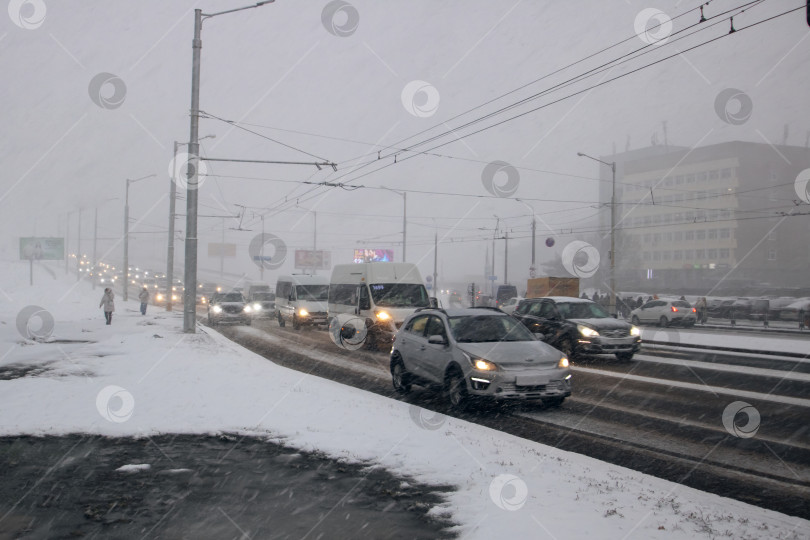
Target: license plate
[{"x": 530, "y": 380}]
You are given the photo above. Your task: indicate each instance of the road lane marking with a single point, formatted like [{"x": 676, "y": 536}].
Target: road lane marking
[{"x": 746, "y": 370}]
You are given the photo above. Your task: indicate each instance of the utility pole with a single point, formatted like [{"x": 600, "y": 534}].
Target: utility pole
[
  {"x": 314, "y": 241},
  {"x": 506, "y": 258},
  {"x": 126, "y": 232},
  {"x": 79, "y": 249},
  {"x": 95, "y": 245},
  {"x": 404, "y": 223},
  {"x": 435, "y": 262},
  {"x": 170, "y": 249},
  {"x": 222, "y": 254}
]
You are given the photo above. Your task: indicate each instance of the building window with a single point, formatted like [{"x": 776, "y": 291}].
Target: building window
[
  {"x": 700, "y": 234},
  {"x": 772, "y": 254},
  {"x": 712, "y": 234},
  {"x": 656, "y": 219},
  {"x": 712, "y": 253},
  {"x": 656, "y": 255},
  {"x": 646, "y": 256},
  {"x": 677, "y": 236},
  {"x": 688, "y": 254},
  {"x": 668, "y": 237},
  {"x": 700, "y": 254},
  {"x": 677, "y": 255},
  {"x": 678, "y": 180},
  {"x": 657, "y": 237},
  {"x": 647, "y": 238},
  {"x": 665, "y": 255},
  {"x": 714, "y": 175},
  {"x": 724, "y": 253},
  {"x": 725, "y": 233},
  {"x": 690, "y": 178},
  {"x": 726, "y": 173},
  {"x": 689, "y": 235},
  {"x": 701, "y": 177}
]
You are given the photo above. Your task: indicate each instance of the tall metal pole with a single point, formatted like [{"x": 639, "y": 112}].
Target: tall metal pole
[
  {"x": 435, "y": 262},
  {"x": 506, "y": 258},
  {"x": 190, "y": 295},
  {"x": 170, "y": 254},
  {"x": 67, "y": 241},
  {"x": 95, "y": 245},
  {"x": 126, "y": 242},
  {"x": 404, "y": 222},
  {"x": 222, "y": 254},
  {"x": 79, "y": 249},
  {"x": 534, "y": 232},
  {"x": 261, "y": 266},
  {"x": 314, "y": 241},
  {"x": 613, "y": 241}
]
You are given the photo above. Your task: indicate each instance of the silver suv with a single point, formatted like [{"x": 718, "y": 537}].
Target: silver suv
[{"x": 477, "y": 352}]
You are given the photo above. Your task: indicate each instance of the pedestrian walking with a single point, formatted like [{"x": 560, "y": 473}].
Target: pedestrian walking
[
  {"x": 108, "y": 303},
  {"x": 700, "y": 306},
  {"x": 143, "y": 296}
]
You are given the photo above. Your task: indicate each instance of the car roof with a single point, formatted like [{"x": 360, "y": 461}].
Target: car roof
[
  {"x": 572, "y": 299},
  {"x": 462, "y": 312}
]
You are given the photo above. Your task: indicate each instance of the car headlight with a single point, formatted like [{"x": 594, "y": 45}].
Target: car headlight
[
  {"x": 257, "y": 306},
  {"x": 484, "y": 365},
  {"x": 383, "y": 316},
  {"x": 216, "y": 309},
  {"x": 160, "y": 297},
  {"x": 563, "y": 363},
  {"x": 247, "y": 309},
  {"x": 303, "y": 313},
  {"x": 635, "y": 331},
  {"x": 587, "y": 331}
]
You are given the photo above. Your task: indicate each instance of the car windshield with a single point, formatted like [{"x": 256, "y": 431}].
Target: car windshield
[
  {"x": 264, "y": 296},
  {"x": 399, "y": 295},
  {"x": 487, "y": 328},
  {"x": 312, "y": 292},
  {"x": 230, "y": 297},
  {"x": 581, "y": 310}
]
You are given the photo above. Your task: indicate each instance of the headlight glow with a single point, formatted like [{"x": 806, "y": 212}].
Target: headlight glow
[
  {"x": 257, "y": 306},
  {"x": 587, "y": 331},
  {"x": 484, "y": 365},
  {"x": 303, "y": 313},
  {"x": 383, "y": 316},
  {"x": 635, "y": 331},
  {"x": 160, "y": 297},
  {"x": 216, "y": 309},
  {"x": 247, "y": 309},
  {"x": 563, "y": 363}
]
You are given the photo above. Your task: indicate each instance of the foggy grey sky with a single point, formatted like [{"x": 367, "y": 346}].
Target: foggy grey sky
[{"x": 277, "y": 66}]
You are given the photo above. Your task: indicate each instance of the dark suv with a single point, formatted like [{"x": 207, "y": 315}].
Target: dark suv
[{"x": 577, "y": 326}]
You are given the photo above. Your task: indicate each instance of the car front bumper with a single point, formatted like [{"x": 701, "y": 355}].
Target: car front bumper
[
  {"x": 606, "y": 345},
  {"x": 521, "y": 386}
]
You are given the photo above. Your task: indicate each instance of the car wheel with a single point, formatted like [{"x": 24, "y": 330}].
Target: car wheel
[
  {"x": 456, "y": 390},
  {"x": 566, "y": 346},
  {"x": 635, "y": 320},
  {"x": 399, "y": 376},
  {"x": 663, "y": 322},
  {"x": 280, "y": 320},
  {"x": 624, "y": 356},
  {"x": 553, "y": 402}
]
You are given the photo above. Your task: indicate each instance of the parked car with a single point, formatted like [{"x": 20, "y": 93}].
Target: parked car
[
  {"x": 791, "y": 311},
  {"x": 776, "y": 305},
  {"x": 230, "y": 307},
  {"x": 665, "y": 312},
  {"x": 477, "y": 352},
  {"x": 262, "y": 304},
  {"x": 577, "y": 326},
  {"x": 510, "y": 305}
]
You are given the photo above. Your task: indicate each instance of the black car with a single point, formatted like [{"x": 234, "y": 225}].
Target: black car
[{"x": 577, "y": 326}]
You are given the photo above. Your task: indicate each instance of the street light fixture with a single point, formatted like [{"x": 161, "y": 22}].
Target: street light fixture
[
  {"x": 404, "y": 216},
  {"x": 126, "y": 232},
  {"x": 612, "y": 165},
  {"x": 172, "y": 200},
  {"x": 190, "y": 294}
]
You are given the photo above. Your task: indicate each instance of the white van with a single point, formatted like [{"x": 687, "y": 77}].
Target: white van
[
  {"x": 301, "y": 299},
  {"x": 383, "y": 293}
]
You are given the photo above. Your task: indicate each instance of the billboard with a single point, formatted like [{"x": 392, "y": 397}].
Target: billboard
[
  {"x": 42, "y": 248},
  {"x": 309, "y": 259},
  {"x": 217, "y": 249},
  {"x": 373, "y": 255}
]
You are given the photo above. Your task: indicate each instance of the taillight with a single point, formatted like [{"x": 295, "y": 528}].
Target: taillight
[
  {"x": 673, "y": 308},
  {"x": 694, "y": 310}
]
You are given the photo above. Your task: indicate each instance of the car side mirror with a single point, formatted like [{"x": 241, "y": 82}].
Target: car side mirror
[
  {"x": 434, "y": 302},
  {"x": 437, "y": 340}
]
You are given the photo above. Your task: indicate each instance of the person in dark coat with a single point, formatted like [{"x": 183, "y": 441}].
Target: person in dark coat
[{"x": 108, "y": 303}]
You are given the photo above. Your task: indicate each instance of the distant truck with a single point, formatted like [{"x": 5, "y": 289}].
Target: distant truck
[{"x": 552, "y": 286}]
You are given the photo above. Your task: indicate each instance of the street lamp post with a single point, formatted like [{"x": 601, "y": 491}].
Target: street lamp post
[
  {"x": 95, "y": 241},
  {"x": 532, "y": 268},
  {"x": 126, "y": 233},
  {"x": 612, "y": 165},
  {"x": 190, "y": 293}
]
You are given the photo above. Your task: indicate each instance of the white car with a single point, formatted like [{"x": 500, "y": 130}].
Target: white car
[
  {"x": 510, "y": 305},
  {"x": 665, "y": 312}
]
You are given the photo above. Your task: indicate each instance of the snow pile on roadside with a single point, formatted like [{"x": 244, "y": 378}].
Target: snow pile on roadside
[{"x": 141, "y": 376}]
